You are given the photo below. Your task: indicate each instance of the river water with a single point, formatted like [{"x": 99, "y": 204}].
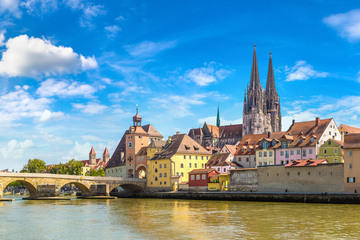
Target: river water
[{"x": 176, "y": 219}]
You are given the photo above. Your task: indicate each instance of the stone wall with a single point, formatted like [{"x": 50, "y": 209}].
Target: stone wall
[
  {"x": 243, "y": 180},
  {"x": 324, "y": 178}
]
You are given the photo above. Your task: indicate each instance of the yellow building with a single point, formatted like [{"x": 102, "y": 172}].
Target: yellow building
[
  {"x": 180, "y": 155},
  {"x": 219, "y": 182}
]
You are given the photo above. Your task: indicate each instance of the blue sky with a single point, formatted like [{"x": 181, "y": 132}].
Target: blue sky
[{"x": 72, "y": 71}]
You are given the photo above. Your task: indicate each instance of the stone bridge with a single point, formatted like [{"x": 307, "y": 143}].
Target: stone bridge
[{"x": 49, "y": 185}]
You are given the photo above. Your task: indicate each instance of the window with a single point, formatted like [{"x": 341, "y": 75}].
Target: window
[
  {"x": 151, "y": 183},
  {"x": 329, "y": 142},
  {"x": 182, "y": 165},
  {"x": 207, "y": 158},
  {"x": 190, "y": 157},
  {"x": 287, "y": 161},
  {"x": 335, "y": 160},
  {"x": 265, "y": 154},
  {"x": 192, "y": 177},
  {"x": 292, "y": 152},
  {"x": 265, "y": 145},
  {"x": 195, "y": 165},
  {"x": 204, "y": 177},
  {"x": 304, "y": 152},
  {"x": 247, "y": 159},
  {"x": 309, "y": 173},
  {"x": 270, "y": 154},
  {"x": 189, "y": 165},
  {"x": 335, "y": 150},
  {"x": 350, "y": 165},
  {"x": 260, "y": 163},
  {"x": 165, "y": 174},
  {"x": 160, "y": 166},
  {"x": 265, "y": 163},
  {"x": 310, "y": 151},
  {"x": 298, "y": 152},
  {"x": 177, "y": 173},
  {"x": 155, "y": 178},
  {"x": 260, "y": 154},
  {"x": 218, "y": 169},
  {"x": 160, "y": 183},
  {"x": 202, "y": 157},
  {"x": 330, "y": 135},
  {"x": 298, "y": 173},
  {"x": 160, "y": 174},
  {"x": 283, "y": 144},
  {"x": 350, "y": 153},
  {"x": 184, "y": 156},
  {"x": 350, "y": 179},
  {"x": 325, "y": 151},
  {"x": 287, "y": 154},
  {"x": 182, "y": 174},
  {"x": 282, "y": 153},
  {"x": 165, "y": 183},
  {"x": 164, "y": 165},
  {"x": 195, "y": 157},
  {"x": 282, "y": 162},
  {"x": 155, "y": 169},
  {"x": 197, "y": 177}
]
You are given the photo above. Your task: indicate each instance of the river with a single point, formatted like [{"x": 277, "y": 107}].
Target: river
[{"x": 176, "y": 219}]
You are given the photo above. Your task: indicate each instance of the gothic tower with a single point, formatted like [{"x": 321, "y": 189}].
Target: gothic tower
[
  {"x": 261, "y": 113},
  {"x": 272, "y": 101}
]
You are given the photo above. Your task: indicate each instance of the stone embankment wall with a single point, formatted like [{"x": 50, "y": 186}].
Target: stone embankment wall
[{"x": 253, "y": 196}]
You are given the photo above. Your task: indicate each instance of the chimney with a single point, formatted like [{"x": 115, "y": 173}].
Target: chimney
[
  {"x": 293, "y": 122},
  {"x": 317, "y": 121},
  {"x": 342, "y": 136},
  {"x": 269, "y": 134},
  {"x": 177, "y": 133}
]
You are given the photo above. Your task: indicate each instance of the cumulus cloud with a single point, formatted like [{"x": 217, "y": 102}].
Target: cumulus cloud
[
  {"x": 14, "y": 149},
  {"x": 64, "y": 88},
  {"x": 90, "y": 108},
  {"x": 205, "y": 75},
  {"x": 178, "y": 106},
  {"x": 19, "y": 104},
  {"x": 303, "y": 71},
  {"x": 111, "y": 31},
  {"x": 37, "y": 7},
  {"x": 35, "y": 57},
  {"x": 11, "y": 7},
  {"x": 346, "y": 24},
  {"x": 2, "y": 38},
  {"x": 148, "y": 49}
]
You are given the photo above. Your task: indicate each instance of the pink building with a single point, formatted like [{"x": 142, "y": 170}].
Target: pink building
[{"x": 303, "y": 139}]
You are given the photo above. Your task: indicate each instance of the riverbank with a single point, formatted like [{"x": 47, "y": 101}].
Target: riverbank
[{"x": 338, "y": 198}]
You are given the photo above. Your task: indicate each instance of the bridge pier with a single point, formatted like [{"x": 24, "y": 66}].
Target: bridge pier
[
  {"x": 99, "y": 190},
  {"x": 1, "y": 190}
]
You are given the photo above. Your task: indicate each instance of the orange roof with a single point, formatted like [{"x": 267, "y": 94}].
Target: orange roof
[
  {"x": 307, "y": 163},
  {"x": 92, "y": 151},
  {"x": 218, "y": 160},
  {"x": 349, "y": 129},
  {"x": 249, "y": 143},
  {"x": 106, "y": 151},
  {"x": 231, "y": 148}
]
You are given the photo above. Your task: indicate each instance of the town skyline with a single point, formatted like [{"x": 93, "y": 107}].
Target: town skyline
[{"x": 57, "y": 106}]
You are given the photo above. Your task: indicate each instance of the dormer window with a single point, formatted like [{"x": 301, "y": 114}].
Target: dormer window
[
  {"x": 265, "y": 145},
  {"x": 312, "y": 139},
  {"x": 273, "y": 142},
  {"x": 196, "y": 148},
  {"x": 187, "y": 148},
  {"x": 284, "y": 144},
  {"x": 301, "y": 140}
]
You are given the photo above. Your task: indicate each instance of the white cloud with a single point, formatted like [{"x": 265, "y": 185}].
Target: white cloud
[
  {"x": 178, "y": 106},
  {"x": 19, "y": 104},
  {"x": 14, "y": 150},
  {"x": 90, "y": 108},
  {"x": 64, "y": 88},
  {"x": 38, "y": 7},
  {"x": 11, "y": 7},
  {"x": 212, "y": 121},
  {"x": 35, "y": 57},
  {"x": 111, "y": 31},
  {"x": 303, "y": 71},
  {"x": 2, "y": 38},
  {"x": 346, "y": 24},
  {"x": 149, "y": 49},
  {"x": 205, "y": 75}
]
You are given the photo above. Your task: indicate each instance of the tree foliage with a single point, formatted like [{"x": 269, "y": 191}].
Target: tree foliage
[
  {"x": 72, "y": 167},
  {"x": 100, "y": 172},
  {"x": 34, "y": 166}
]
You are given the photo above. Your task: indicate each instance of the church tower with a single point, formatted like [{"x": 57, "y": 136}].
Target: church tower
[
  {"x": 272, "y": 101},
  {"x": 261, "y": 113}
]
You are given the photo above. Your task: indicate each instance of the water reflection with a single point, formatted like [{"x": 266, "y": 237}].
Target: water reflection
[{"x": 176, "y": 219}]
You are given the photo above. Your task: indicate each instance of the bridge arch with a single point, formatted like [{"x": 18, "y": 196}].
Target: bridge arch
[
  {"x": 141, "y": 171},
  {"x": 83, "y": 188},
  {"x": 29, "y": 186},
  {"x": 128, "y": 187}
]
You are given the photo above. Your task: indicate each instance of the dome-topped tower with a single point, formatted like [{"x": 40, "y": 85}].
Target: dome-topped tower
[{"x": 137, "y": 118}]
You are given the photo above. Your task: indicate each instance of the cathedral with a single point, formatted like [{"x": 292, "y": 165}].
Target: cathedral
[{"x": 261, "y": 113}]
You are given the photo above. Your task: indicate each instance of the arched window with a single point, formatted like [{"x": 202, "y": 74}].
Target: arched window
[
  {"x": 155, "y": 178},
  {"x": 155, "y": 169}
]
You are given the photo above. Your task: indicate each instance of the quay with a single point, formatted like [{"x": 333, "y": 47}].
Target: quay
[{"x": 334, "y": 198}]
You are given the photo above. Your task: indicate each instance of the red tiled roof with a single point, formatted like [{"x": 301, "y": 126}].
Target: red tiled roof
[
  {"x": 218, "y": 160},
  {"x": 249, "y": 143},
  {"x": 349, "y": 129},
  {"x": 106, "y": 151},
  {"x": 92, "y": 151},
  {"x": 205, "y": 170},
  {"x": 231, "y": 148},
  {"x": 231, "y": 131},
  {"x": 307, "y": 163}
]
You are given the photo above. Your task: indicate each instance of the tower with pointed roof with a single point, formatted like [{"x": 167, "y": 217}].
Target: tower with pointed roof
[
  {"x": 218, "y": 117},
  {"x": 261, "y": 112},
  {"x": 92, "y": 157},
  {"x": 106, "y": 155}
]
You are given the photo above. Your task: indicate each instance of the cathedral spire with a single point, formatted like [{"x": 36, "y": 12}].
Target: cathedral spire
[
  {"x": 270, "y": 81},
  {"x": 218, "y": 117},
  {"x": 254, "y": 79}
]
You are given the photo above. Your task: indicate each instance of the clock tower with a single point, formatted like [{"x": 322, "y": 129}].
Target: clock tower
[{"x": 136, "y": 138}]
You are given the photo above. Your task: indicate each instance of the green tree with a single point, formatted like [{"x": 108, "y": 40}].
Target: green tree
[
  {"x": 100, "y": 172},
  {"x": 34, "y": 166},
  {"x": 74, "y": 167}
]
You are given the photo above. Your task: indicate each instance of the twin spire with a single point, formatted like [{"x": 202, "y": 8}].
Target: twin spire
[{"x": 255, "y": 79}]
